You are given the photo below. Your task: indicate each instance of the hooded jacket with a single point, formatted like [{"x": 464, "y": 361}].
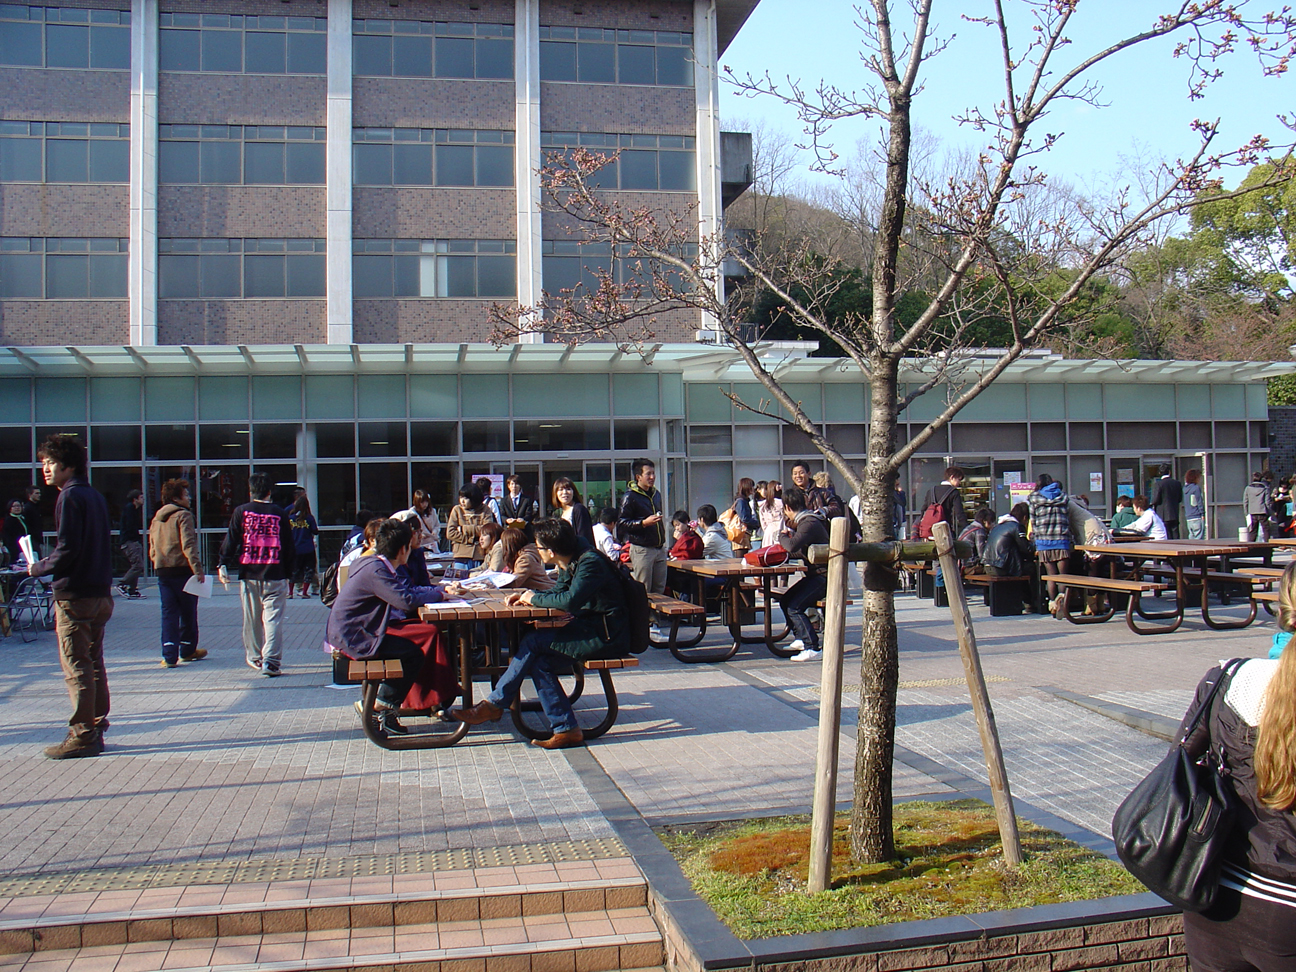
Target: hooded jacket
[
  {"x": 1255, "y": 500},
  {"x": 259, "y": 542},
  {"x": 1006, "y": 547},
  {"x": 1050, "y": 526},
  {"x": 363, "y": 609},
  {"x": 811, "y": 527},
  {"x": 636, "y": 506},
  {"x": 173, "y": 542}
]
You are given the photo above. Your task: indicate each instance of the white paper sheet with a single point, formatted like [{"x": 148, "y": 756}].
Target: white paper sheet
[
  {"x": 490, "y": 578},
  {"x": 451, "y": 604},
  {"x": 26, "y": 549},
  {"x": 202, "y": 588}
]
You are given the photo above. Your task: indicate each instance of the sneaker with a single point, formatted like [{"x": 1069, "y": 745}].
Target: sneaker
[
  {"x": 255, "y": 665},
  {"x": 73, "y": 748},
  {"x": 797, "y": 645},
  {"x": 389, "y": 724},
  {"x": 135, "y": 595},
  {"x": 123, "y": 590},
  {"x": 198, "y": 653},
  {"x": 374, "y": 721},
  {"x": 270, "y": 671},
  {"x": 168, "y": 664},
  {"x": 807, "y": 654}
]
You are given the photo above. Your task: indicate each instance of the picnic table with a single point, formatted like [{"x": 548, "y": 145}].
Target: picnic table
[{"x": 733, "y": 571}]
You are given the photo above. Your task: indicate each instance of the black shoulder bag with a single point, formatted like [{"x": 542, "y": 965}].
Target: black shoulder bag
[{"x": 1171, "y": 830}]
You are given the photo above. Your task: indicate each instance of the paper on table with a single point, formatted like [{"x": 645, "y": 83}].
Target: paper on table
[
  {"x": 449, "y": 604},
  {"x": 494, "y": 578},
  {"x": 203, "y": 588},
  {"x": 25, "y": 547}
]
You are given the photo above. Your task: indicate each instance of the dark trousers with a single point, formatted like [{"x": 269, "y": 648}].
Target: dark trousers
[
  {"x": 800, "y": 597},
  {"x": 80, "y": 626},
  {"x": 392, "y": 691},
  {"x": 1172, "y": 529},
  {"x": 1241, "y": 933},
  {"x": 179, "y": 618},
  {"x": 134, "y": 553},
  {"x": 304, "y": 568}
]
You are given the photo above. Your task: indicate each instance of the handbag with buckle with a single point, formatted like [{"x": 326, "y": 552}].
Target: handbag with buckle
[{"x": 770, "y": 556}]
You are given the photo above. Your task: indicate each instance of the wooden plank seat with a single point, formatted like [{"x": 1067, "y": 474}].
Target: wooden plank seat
[
  {"x": 1268, "y": 572},
  {"x": 1134, "y": 588},
  {"x": 677, "y": 612},
  {"x": 1005, "y": 602},
  {"x": 1269, "y": 596},
  {"x": 1248, "y": 576},
  {"x": 369, "y": 674},
  {"x": 605, "y": 667}
]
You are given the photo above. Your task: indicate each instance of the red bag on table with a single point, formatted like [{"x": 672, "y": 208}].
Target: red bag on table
[{"x": 770, "y": 556}]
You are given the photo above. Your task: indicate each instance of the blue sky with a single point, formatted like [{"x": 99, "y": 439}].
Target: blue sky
[{"x": 1147, "y": 112}]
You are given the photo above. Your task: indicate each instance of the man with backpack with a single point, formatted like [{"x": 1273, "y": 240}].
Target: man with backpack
[{"x": 944, "y": 505}]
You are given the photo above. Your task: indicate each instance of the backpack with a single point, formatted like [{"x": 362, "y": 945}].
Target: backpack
[
  {"x": 329, "y": 585},
  {"x": 638, "y": 613},
  {"x": 935, "y": 513},
  {"x": 735, "y": 529}
]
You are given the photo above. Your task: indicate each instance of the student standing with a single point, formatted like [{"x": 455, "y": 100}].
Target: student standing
[
  {"x": 640, "y": 524},
  {"x": 1167, "y": 497},
  {"x": 566, "y": 502},
  {"x": 304, "y": 529},
  {"x": 173, "y": 546},
  {"x": 1194, "y": 505},
  {"x": 131, "y": 537}
]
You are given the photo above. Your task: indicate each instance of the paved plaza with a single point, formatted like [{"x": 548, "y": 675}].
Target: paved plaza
[{"x": 211, "y": 763}]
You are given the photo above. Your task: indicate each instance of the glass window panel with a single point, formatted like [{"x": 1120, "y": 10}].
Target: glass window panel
[
  {"x": 486, "y": 396},
  {"x": 330, "y": 396},
  {"x": 16, "y": 445},
  {"x": 1192, "y": 435},
  {"x": 66, "y": 160},
  {"x": 496, "y": 276},
  {"x": 307, "y": 52},
  {"x": 494, "y": 165},
  {"x": 1228, "y": 435},
  {"x": 557, "y": 61},
  {"x": 382, "y": 396},
  {"x": 373, "y": 55},
  {"x": 560, "y": 273},
  {"x": 486, "y": 437},
  {"x": 677, "y": 171},
  {"x": 220, "y": 275},
  {"x": 109, "y": 160},
  {"x": 384, "y": 486},
  {"x": 177, "y": 276},
  {"x": 220, "y": 489},
  {"x": 305, "y": 163},
  {"x": 454, "y": 57},
  {"x": 223, "y": 398},
  {"x": 371, "y": 275},
  {"x": 335, "y": 441},
  {"x": 632, "y": 435},
  {"x": 707, "y": 403},
  {"x": 638, "y": 170},
  {"x": 20, "y": 275},
  {"x": 108, "y": 276},
  {"x": 434, "y": 439},
  {"x": 373, "y": 165},
  {"x": 67, "y": 46},
  {"x": 494, "y": 58},
  {"x": 596, "y": 63},
  {"x": 434, "y": 396},
  {"x": 635, "y": 394},
  {"x": 408, "y": 273},
  {"x": 179, "y": 50},
  {"x": 60, "y": 400},
  {"x": 115, "y": 443},
  {"x": 1050, "y": 436},
  {"x": 224, "y": 442},
  {"x": 755, "y": 440},
  {"x": 274, "y": 441},
  {"x": 168, "y": 398},
  {"x": 222, "y": 50},
  {"x": 710, "y": 440},
  {"x": 1229, "y": 401},
  {"x": 708, "y": 482},
  {"x": 20, "y": 160},
  {"x": 382, "y": 439},
  {"x": 263, "y": 275},
  {"x": 336, "y": 495},
  {"x": 263, "y": 163},
  {"x": 67, "y": 276},
  {"x": 533, "y": 395},
  {"x": 114, "y": 399},
  {"x": 169, "y": 443},
  {"x": 674, "y": 66},
  {"x": 110, "y": 48},
  {"x": 20, "y": 44},
  {"x": 266, "y": 53},
  {"x": 412, "y": 165},
  {"x": 459, "y": 277},
  {"x": 177, "y": 162},
  {"x": 220, "y": 163},
  {"x": 635, "y": 65},
  {"x": 412, "y": 56},
  {"x": 306, "y": 275},
  {"x": 454, "y": 165}
]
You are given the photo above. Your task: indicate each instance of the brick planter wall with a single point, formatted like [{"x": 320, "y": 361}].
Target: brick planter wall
[{"x": 1282, "y": 439}]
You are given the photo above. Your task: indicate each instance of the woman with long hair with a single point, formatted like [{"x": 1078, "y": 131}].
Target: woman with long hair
[
  {"x": 744, "y": 505},
  {"x": 566, "y": 502},
  {"x": 488, "y": 548},
  {"x": 304, "y": 529},
  {"x": 1252, "y": 924},
  {"x": 519, "y": 557},
  {"x": 421, "y": 506},
  {"x": 464, "y": 524},
  {"x": 773, "y": 523}
]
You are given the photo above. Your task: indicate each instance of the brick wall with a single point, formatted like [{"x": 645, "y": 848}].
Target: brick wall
[
  {"x": 237, "y": 211},
  {"x": 649, "y": 15},
  {"x": 1282, "y": 440},
  {"x": 239, "y": 99},
  {"x": 459, "y": 11},
  {"x": 618, "y": 108},
  {"x": 40, "y": 322},
  {"x": 434, "y": 214},
  {"x": 432, "y": 103},
  {"x": 241, "y": 322},
  {"x": 556, "y": 226},
  {"x": 421, "y": 321},
  {"x": 49, "y": 95},
  {"x": 65, "y": 210}
]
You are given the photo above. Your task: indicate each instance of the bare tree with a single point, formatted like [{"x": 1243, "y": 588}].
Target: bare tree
[{"x": 999, "y": 254}]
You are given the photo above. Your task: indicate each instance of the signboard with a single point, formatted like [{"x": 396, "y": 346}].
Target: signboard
[
  {"x": 496, "y": 481},
  {"x": 1018, "y": 492},
  {"x": 1095, "y": 482}
]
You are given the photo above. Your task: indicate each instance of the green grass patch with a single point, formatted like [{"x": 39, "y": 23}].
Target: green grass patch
[{"x": 753, "y": 873}]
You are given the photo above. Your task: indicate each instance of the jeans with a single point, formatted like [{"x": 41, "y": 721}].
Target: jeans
[
  {"x": 80, "y": 625},
  {"x": 179, "y": 619},
  {"x": 134, "y": 551},
  {"x": 263, "y": 604},
  {"x": 1196, "y": 528},
  {"x": 801, "y": 596},
  {"x": 535, "y": 658},
  {"x": 648, "y": 567},
  {"x": 392, "y": 691}
]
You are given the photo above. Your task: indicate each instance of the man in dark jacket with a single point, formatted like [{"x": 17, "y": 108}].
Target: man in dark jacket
[
  {"x": 948, "y": 495},
  {"x": 259, "y": 544},
  {"x": 131, "y": 537},
  {"x": 1006, "y": 547},
  {"x": 1167, "y": 495},
  {"x": 808, "y": 527},
  {"x": 31, "y": 514},
  {"x": 1257, "y": 507},
  {"x": 640, "y": 523},
  {"x": 81, "y": 566},
  {"x": 589, "y": 590}
]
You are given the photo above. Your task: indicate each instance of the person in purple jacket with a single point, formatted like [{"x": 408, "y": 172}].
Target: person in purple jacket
[{"x": 375, "y": 594}]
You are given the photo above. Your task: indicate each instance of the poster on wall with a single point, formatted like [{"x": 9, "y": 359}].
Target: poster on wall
[
  {"x": 496, "y": 481},
  {"x": 1095, "y": 482},
  {"x": 1019, "y": 492},
  {"x": 1125, "y": 489}
]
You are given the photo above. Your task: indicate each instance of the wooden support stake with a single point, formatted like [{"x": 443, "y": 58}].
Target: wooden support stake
[
  {"x": 824, "y": 810},
  {"x": 1003, "y": 803}
]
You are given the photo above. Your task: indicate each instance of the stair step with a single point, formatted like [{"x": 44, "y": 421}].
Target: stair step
[{"x": 584, "y": 941}]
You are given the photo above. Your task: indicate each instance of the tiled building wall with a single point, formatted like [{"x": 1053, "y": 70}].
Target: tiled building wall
[
  {"x": 434, "y": 214},
  {"x": 240, "y": 99},
  {"x": 241, "y": 322},
  {"x": 52, "y": 95},
  {"x": 65, "y": 210},
  {"x": 1282, "y": 440},
  {"x": 241, "y": 211},
  {"x": 420, "y": 321},
  {"x": 27, "y": 322},
  {"x": 432, "y": 103}
]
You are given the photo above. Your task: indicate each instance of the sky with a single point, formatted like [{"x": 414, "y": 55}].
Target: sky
[{"x": 1146, "y": 113}]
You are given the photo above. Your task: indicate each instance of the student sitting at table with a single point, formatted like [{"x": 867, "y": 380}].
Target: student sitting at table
[
  {"x": 808, "y": 527},
  {"x": 687, "y": 545},
  {"x": 464, "y": 524},
  {"x": 605, "y": 533},
  {"x": 488, "y": 551},
  {"x": 587, "y": 588},
  {"x": 375, "y": 596},
  {"x": 519, "y": 557},
  {"x": 715, "y": 539},
  {"x": 1147, "y": 521},
  {"x": 365, "y": 547},
  {"x": 414, "y": 570},
  {"x": 1124, "y": 514}
]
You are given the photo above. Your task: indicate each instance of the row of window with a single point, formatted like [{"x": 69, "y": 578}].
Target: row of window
[
  {"x": 434, "y": 268},
  {"x": 567, "y": 265},
  {"x": 64, "y": 38},
  {"x": 645, "y": 162},
  {"x": 64, "y": 152},
  {"x": 595, "y": 55},
  {"x": 240, "y": 268},
  {"x": 413, "y": 49},
  {"x": 62, "y": 269},
  {"x": 428, "y": 157}
]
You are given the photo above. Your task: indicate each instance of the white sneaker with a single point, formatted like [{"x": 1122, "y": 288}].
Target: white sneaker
[
  {"x": 808, "y": 654},
  {"x": 658, "y": 633},
  {"x": 799, "y": 645}
]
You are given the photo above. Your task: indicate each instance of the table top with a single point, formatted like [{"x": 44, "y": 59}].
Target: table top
[
  {"x": 734, "y": 567},
  {"x": 488, "y": 607},
  {"x": 1280, "y": 542},
  {"x": 1171, "y": 549}
]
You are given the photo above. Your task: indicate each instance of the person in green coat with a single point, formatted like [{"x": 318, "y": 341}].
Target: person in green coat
[{"x": 588, "y": 589}]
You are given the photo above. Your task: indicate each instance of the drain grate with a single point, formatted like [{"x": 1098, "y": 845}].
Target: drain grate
[{"x": 308, "y": 868}]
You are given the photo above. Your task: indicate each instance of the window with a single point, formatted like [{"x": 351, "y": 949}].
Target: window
[
  {"x": 64, "y": 152},
  {"x": 52, "y": 37},
  {"x": 652, "y": 162},
  {"x": 567, "y": 264},
  {"x": 236, "y": 44},
  {"x": 417, "y": 49},
  {"x": 249, "y": 155},
  {"x": 562, "y": 435},
  {"x": 598, "y": 55},
  {"x": 434, "y": 268},
  {"x": 229, "y": 269},
  {"x": 432, "y": 157},
  {"x": 62, "y": 269}
]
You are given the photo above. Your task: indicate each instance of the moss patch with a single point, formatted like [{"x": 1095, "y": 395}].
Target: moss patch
[{"x": 753, "y": 873}]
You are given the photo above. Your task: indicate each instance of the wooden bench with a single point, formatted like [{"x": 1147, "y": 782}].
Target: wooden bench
[
  {"x": 1134, "y": 588},
  {"x": 996, "y": 599},
  {"x": 605, "y": 667},
  {"x": 369, "y": 674},
  {"x": 678, "y": 612},
  {"x": 1246, "y": 581},
  {"x": 1269, "y": 596}
]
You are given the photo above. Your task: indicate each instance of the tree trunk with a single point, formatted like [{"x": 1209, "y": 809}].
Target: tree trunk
[{"x": 871, "y": 835}]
